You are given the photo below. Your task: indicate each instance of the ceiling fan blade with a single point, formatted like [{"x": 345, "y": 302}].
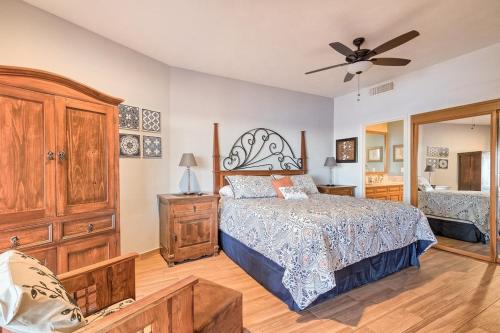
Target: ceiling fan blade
[
  {"x": 341, "y": 48},
  {"x": 325, "y": 68},
  {"x": 395, "y": 42},
  {"x": 348, "y": 77},
  {"x": 390, "y": 61}
]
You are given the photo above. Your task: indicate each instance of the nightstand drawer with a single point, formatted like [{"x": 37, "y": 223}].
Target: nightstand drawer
[
  {"x": 21, "y": 238},
  {"x": 192, "y": 208}
]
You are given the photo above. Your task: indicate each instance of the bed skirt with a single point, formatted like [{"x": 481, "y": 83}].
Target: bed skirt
[
  {"x": 467, "y": 232},
  {"x": 269, "y": 274}
]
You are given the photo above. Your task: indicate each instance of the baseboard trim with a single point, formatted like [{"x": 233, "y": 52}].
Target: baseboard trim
[{"x": 148, "y": 254}]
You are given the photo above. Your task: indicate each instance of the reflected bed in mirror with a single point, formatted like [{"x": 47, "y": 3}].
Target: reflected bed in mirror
[{"x": 454, "y": 181}]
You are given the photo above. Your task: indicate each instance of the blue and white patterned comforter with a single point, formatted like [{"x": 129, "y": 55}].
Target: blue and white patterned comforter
[
  {"x": 472, "y": 206},
  {"x": 313, "y": 238}
]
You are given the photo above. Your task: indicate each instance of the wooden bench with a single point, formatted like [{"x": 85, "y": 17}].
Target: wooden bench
[{"x": 189, "y": 305}]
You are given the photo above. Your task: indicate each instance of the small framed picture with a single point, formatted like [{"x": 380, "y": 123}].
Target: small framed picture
[
  {"x": 375, "y": 154},
  {"x": 397, "y": 153},
  {"x": 347, "y": 150}
]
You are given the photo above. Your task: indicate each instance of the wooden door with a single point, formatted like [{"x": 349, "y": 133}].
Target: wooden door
[
  {"x": 27, "y": 168},
  {"x": 85, "y": 156},
  {"x": 77, "y": 254},
  {"x": 469, "y": 171}
]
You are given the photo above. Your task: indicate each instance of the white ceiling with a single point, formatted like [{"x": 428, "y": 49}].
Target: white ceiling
[{"x": 275, "y": 42}]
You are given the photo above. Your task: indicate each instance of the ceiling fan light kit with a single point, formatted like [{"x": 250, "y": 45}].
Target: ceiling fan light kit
[
  {"x": 359, "y": 67},
  {"x": 360, "y": 60}
]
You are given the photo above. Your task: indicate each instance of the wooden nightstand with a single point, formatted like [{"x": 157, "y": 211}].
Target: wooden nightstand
[
  {"x": 337, "y": 189},
  {"x": 188, "y": 226}
]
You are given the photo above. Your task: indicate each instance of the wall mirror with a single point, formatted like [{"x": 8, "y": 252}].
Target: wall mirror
[
  {"x": 453, "y": 169},
  {"x": 376, "y": 152}
]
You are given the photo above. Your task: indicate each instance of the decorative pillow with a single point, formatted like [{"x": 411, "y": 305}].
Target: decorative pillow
[
  {"x": 424, "y": 185},
  {"x": 226, "y": 191},
  {"x": 293, "y": 193},
  {"x": 251, "y": 186},
  {"x": 281, "y": 182},
  {"x": 306, "y": 182},
  {"x": 32, "y": 299}
]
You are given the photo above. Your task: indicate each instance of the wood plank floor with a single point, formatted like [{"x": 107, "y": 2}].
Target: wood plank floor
[
  {"x": 479, "y": 248},
  {"x": 448, "y": 293}
]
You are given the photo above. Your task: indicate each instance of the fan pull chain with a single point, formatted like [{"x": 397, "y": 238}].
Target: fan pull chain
[{"x": 358, "y": 99}]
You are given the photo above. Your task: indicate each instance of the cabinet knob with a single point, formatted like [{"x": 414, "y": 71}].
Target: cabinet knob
[
  {"x": 14, "y": 242},
  {"x": 62, "y": 155},
  {"x": 50, "y": 155},
  {"x": 90, "y": 228}
]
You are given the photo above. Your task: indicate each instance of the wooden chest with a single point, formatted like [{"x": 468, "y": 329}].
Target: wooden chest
[
  {"x": 337, "y": 189},
  {"x": 188, "y": 226}
]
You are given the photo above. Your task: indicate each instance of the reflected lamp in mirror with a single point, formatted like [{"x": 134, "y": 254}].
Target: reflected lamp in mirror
[
  {"x": 331, "y": 162},
  {"x": 188, "y": 161},
  {"x": 430, "y": 170}
]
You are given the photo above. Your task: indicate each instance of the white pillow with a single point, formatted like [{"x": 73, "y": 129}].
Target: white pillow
[
  {"x": 424, "y": 185},
  {"x": 226, "y": 191},
  {"x": 32, "y": 299},
  {"x": 251, "y": 186},
  {"x": 293, "y": 193},
  {"x": 306, "y": 182}
]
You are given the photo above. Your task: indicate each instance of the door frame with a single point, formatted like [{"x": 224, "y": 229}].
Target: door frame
[
  {"x": 362, "y": 155},
  {"x": 492, "y": 108}
]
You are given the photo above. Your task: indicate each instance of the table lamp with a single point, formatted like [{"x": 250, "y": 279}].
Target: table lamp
[
  {"x": 188, "y": 161},
  {"x": 430, "y": 170},
  {"x": 331, "y": 162}
]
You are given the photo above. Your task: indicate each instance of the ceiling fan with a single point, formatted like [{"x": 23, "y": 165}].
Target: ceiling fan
[{"x": 360, "y": 60}]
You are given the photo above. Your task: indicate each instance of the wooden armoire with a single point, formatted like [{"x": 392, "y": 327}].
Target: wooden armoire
[
  {"x": 469, "y": 171},
  {"x": 58, "y": 169}
]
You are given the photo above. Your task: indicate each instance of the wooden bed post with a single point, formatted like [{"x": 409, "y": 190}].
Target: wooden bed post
[
  {"x": 216, "y": 159},
  {"x": 303, "y": 153}
]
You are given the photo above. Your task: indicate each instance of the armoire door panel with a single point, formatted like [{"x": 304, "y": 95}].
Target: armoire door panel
[
  {"x": 78, "y": 254},
  {"x": 27, "y": 170},
  {"x": 85, "y": 156}
]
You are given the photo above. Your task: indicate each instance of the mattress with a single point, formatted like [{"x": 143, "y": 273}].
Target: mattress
[{"x": 312, "y": 239}]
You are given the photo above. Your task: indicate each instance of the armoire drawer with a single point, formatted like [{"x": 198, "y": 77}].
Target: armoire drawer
[
  {"x": 79, "y": 228},
  {"x": 21, "y": 238}
]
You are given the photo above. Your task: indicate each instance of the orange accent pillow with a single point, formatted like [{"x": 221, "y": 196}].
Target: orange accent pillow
[{"x": 281, "y": 182}]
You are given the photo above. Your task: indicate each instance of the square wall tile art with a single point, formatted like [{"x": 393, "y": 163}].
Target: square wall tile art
[
  {"x": 151, "y": 146},
  {"x": 151, "y": 121},
  {"x": 130, "y": 145},
  {"x": 438, "y": 152},
  {"x": 128, "y": 117}
]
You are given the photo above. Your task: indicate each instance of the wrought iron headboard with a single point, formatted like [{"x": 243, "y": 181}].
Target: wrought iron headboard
[{"x": 254, "y": 152}]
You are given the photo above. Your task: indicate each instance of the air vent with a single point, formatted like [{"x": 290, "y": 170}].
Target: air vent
[{"x": 382, "y": 88}]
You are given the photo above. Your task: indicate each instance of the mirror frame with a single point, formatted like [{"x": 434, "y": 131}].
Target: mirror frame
[
  {"x": 491, "y": 108},
  {"x": 385, "y": 153}
]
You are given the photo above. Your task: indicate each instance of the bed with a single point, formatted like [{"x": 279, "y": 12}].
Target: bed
[
  {"x": 305, "y": 252},
  {"x": 462, "y": 215}
]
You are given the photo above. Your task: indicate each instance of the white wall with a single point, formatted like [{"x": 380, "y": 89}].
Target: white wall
[
  {"x": 467, "y": 79},
  {"x": 459, "y": 139},
  {"x": 198, "y": 100},
  {"x": 33, "y": 38}
]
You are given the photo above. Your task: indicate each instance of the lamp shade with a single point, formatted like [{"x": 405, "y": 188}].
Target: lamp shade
[
  {"x": 188, "y": 160},
  {"x": 429, "y": 168},
  {"x": 330, "y": 162}
]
